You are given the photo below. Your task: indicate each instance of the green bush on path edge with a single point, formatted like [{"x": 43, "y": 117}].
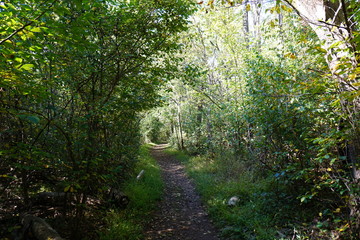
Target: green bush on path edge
[{"x": 144, "y": 195}]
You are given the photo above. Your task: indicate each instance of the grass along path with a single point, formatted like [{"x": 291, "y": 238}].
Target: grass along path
[
  {"x": 144, "y": 195},
  {"x": 264, "y": 211}
]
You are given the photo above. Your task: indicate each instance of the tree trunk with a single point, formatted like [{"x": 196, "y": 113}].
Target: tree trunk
[
  {"x": 199, "y": 121},
  {"x": 180, "y": 129},
  {"x": 246, "y": 22}
]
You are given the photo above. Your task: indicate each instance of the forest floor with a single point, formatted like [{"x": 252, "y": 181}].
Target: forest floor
[{"x": 180, "y": 214}]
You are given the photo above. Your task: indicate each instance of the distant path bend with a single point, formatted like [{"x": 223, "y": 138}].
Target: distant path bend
[{"x": 180, "y": 215}]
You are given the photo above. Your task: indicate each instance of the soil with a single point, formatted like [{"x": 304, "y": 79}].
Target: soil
[{"x": 180, "y": 214}]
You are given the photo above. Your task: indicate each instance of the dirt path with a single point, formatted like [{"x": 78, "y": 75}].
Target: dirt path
[{"x": 180, "y": 214}]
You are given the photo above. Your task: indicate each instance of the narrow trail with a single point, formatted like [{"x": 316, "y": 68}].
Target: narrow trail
[{"x": 180, "y": 214}]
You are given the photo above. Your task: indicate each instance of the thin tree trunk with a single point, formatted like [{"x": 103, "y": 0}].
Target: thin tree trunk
[
  {"x": 246, "y": 22},
  {"x": 180, "y": 128}
]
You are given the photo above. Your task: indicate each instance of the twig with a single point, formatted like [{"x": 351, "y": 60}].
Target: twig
[{"x": 26, "y": 25}]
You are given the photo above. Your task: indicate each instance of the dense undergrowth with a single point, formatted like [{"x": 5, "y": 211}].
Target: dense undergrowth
[
  {"x": 74, "y": 77},
  {"x": 143, "y": 194}
]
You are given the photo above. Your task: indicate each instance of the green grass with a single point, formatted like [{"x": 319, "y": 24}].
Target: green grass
[
  {"x": 144, "y": 194},
  {"x": 261, "y": 208}
]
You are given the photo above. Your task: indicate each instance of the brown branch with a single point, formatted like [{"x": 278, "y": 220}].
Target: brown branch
[
  {"x": 294, "y": 8},
  {"x": 298, "y": 95},
  {"x": 50, "y": 120},
  {"x": 348, "y": 25},
  {"x": 346, "y": 17},
  {"x": 26, "y": 25},
  {"x": 332, "y": 25},
  {"x": 206, "y": 95},
  {"x": 306, "y": 19},
  {"x": 15, "y": 32}
]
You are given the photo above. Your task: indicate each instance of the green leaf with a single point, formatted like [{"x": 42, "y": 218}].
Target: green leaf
[
  {"x": 31, "y": 118},
  {"x": 27, "y": 67},
  {"x": 34, "y": 48},
  {"x": 35, "y": 29}
]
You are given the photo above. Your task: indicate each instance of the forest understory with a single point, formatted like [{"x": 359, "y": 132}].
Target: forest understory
[{"x": 259, "y": 100}]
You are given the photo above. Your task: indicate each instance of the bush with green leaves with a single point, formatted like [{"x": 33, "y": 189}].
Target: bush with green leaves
[{"x": 74, "y": 76}]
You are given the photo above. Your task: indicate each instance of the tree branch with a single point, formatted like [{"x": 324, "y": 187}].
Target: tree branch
[
  {"x": 306, "y": 19},
  {"x": 26, "y": 25}
]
